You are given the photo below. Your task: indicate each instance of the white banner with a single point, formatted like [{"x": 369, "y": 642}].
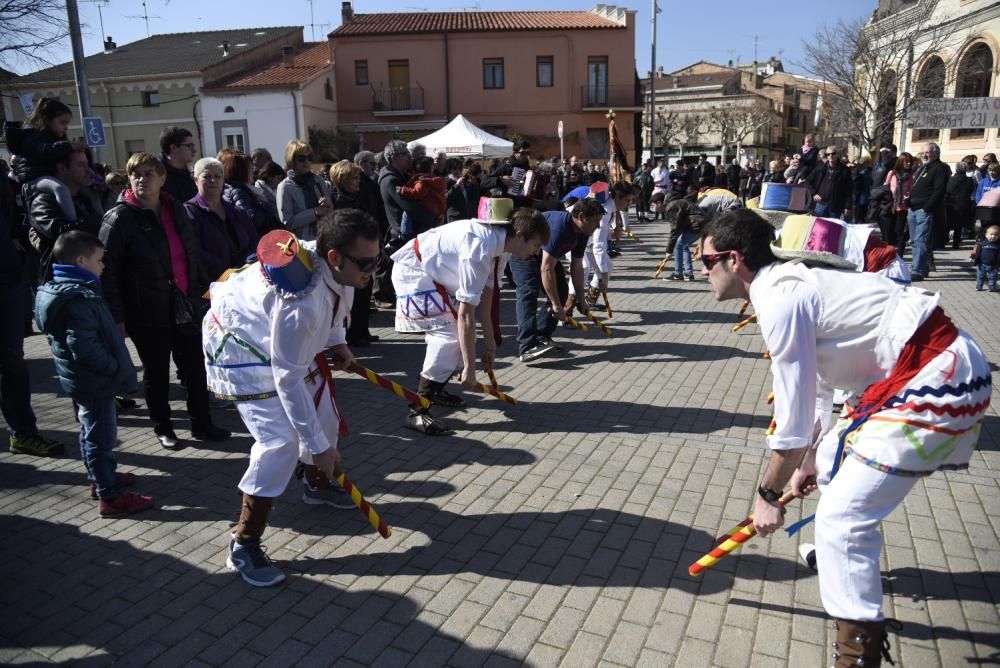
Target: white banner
[{"x": 932, "y": 113}]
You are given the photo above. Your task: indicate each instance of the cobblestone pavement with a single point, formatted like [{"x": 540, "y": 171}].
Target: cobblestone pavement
[{"x": 557, "y": 532}]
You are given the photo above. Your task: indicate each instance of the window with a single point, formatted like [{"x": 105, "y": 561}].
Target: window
[
  {"x": 328, "y": 90},
  {"x": 975, "y": 74},
  {"x": 133, "y": 146},
  {"x": 361, "y": 72},
  {"x": 543, "y": 71},
  {"x": 234, "y": 137},
  {"x": 229, "y": 110},
  {"x": 492, "y": 73},
  {"x": 151, "y": 98},
  {"x": 930, "y": 83},
  {"x": 597, "y": 81}
]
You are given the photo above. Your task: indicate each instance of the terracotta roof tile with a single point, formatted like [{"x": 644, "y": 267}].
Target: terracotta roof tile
[
  {"x": 433, "y": 22},
  {"x": 309, "y": 59}
]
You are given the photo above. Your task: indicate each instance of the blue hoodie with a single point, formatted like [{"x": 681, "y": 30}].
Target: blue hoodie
[
  {"x": 985, "y": 185},
  {"x": 88, "y": 349}
]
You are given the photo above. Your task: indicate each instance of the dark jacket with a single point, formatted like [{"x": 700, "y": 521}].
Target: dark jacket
[
  {"x": 225, "y": 243},
  {"x": 463, "y": 201},
  {"x": 370, "y": 195},
  {"x": 706, "y": 174},
  {"x": 834, "y": 186},
  {"x": 88, "y": 350},
  {"x": 808, "y": 162},
  {"x": 986, "y": 253},
  {"x": 256, "y": 207},
  {"x": 961, "y": 188},
  {"x": 48, "y": 220},
  {"x": 683, "y": 216},
  {"x": 930, "y": 183},
  {"x": 138, "y": 275},
  {"x": 11, "y": 260},
  {"x": 39, "y": 151},
  {"x": 395, "y": 205},
  {"x": 180, "y": 184}
]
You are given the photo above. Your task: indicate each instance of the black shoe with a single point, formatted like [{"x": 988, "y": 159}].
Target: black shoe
[
  {"x": 169, "y": 440},
  {"x": 444, "y": 398},
  {"x": 210, "y": 432},
  {"x": 358, "y": 342},
  {"x": 916, "y": 278},
  {"x": 124, "y": 404}
]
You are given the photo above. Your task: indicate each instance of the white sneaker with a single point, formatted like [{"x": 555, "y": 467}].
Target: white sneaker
[{"x": 808, "y": 553}]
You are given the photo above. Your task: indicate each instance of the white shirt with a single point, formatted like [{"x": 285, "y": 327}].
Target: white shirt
[
  {"x": 661, "y": 178},
  {"x": 829, "y": 328}
]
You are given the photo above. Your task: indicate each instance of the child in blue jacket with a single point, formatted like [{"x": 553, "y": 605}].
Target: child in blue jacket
[{"x": 92, "y": 362}]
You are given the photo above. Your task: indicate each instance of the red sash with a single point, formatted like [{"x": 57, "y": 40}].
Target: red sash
[{"x": 326, "y": 378}]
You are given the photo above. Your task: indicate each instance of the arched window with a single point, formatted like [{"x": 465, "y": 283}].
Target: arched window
[
  {"x": 930, "y": 83},
  {"x": 885, "y": 114},
  {"x": 229, "y": 110},
  {"x": 975, "y": 77}
]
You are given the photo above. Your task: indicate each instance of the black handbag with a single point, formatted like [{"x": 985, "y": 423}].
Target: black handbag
[{"x": 183, "y": 309}]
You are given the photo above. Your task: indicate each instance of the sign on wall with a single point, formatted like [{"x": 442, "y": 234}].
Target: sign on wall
[
  {"x": 93, "y": 131},
  {"x": 935, "y": 113}
]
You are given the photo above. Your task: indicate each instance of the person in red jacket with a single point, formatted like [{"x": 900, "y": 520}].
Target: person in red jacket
[{"x": 429, "y": 190}]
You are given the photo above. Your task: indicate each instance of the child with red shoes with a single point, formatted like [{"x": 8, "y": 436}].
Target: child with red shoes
[{"x": 92, "y": 362}]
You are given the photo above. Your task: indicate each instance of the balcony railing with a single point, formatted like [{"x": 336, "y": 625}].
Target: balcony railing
[
  {"x": 619, "y": 96},
  {"x": 398, "y": 101}
]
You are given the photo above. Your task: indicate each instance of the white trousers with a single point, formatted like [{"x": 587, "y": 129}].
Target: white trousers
[
  {"x": 848, "y": 540},
  {"x": 276, "y": 447},
  {"x": 444, "y": 353}
]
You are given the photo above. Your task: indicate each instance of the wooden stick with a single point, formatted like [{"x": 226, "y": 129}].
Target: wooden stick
[
  {"x": 737, "y": 327},
  {"x": 604, "y": 328},
  {"x": 663, "y": 265},
  {"x": 735, "y": 537},
  {"x": 607, "y": 304},
  {"x": 363, "y": 505},
  {"x": 393, "y": 387}
]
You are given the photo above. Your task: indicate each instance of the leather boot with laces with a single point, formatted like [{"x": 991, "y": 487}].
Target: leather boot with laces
[
  {"x": 246, "y": 554},
  {"x": 861, "y": 643}
]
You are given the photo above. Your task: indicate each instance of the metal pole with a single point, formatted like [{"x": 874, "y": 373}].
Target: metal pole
[
  {"x": 652, "y": 89},
  {"x": 906, "y": 99},
  {"x": 79, "y": 67}
]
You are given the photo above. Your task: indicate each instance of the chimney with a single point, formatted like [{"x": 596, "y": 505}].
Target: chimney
[
  {"x": 109, "y": 45},
  {"x": 225, "y": 48},
  {"x": 677, "y": 82},
  {"x": 346, "y": 12},
  {"x": 287, "y": 57}
]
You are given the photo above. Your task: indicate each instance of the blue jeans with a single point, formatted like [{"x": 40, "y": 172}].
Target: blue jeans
[
  {"x": 15, "y": 389},
  {"x": 984, "y": 272},
  {"x": 98, "y": 434},
  {"x": 920, "y": 223},
  {"x": 823, "y": 210},
  {"x": 682, "y": 253},
  {"x": 533, "y": 322}
]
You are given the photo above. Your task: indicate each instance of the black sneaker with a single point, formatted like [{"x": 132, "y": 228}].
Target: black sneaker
[
  {"x": 253, "y": 565},
  {"x": 546, "y": 341},
  {"x": 444, "y": 398},
  {"x": 535, "y": 352}
]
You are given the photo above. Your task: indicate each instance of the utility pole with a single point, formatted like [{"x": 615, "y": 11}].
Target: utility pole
[
  {"x": 652, "y": 88},
  {"x": 79, "y": 67}
]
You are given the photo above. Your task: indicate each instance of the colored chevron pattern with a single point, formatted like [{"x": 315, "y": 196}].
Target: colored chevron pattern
[
  {"x": 940, "y": 392},
  {"x": 953, "y": 411}
]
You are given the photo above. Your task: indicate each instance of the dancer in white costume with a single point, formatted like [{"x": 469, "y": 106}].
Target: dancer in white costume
[
  {"x": 265, "y": 338},
  {"x": 440, "y": 278},
  {"x": 924, "y": 387}
]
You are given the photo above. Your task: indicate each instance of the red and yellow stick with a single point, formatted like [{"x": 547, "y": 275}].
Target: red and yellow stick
[
  {"x": 663, "y": 265},
  {"x": 629, "y": 234},
  {"x": 382, "y": 381},
  {"x": 495, "y": 391},
  {"x": 770, "y": 398},
  {"x": 604, "y": 328},
  {"x": 607, "y": 304},
  {"x": 743, "y": 310},
  {"x": 735, "y": 537},
  {"x": 577, "y": 324},
  {"x": 359, "y": 500},
  {"x": 740, "y": 325},
  {"x": 493, "y": 379}
]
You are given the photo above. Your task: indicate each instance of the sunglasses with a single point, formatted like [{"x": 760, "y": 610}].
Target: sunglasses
[
  {"x": 712, "y": 259},
  {"x": 303, "y": 158},
  {"x": 365, "y": 264}
]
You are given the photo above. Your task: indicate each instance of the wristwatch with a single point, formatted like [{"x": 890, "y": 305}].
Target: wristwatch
[{"x": 768, "y": 495}]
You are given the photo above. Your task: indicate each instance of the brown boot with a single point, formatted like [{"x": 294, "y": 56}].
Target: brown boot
[
  {"x": 246, "y": 555},
  {"x": 253, "y": 518},
  {"x": 860, "y": 644},
  {"x": 315, "y": 478}
]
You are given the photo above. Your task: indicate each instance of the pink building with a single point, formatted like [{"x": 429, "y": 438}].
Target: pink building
[{"x": 511, "y": 73}]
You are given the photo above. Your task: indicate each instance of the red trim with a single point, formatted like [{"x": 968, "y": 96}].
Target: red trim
[{"x": 326, "y": 377}]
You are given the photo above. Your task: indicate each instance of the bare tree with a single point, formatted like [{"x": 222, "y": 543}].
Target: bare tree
[
  {"x": 865, "y": 62},
  {"x": 30, "y": 29},
  {"x": 689, "y": 130},
  {"x": 736, "y": 122},
  {"x": 665, "y": 128}
]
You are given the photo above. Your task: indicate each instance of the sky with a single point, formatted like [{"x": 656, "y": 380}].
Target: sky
[{"x": 687, "y": 30}]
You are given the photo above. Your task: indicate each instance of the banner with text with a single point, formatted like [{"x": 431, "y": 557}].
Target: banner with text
[{"x": 934, "y": 113}]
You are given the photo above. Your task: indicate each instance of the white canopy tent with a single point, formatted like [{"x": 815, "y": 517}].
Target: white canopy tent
[{"x": 463, "y": 139}]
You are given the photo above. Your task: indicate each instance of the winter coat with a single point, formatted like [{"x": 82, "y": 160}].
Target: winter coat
[
  {"x": 224, "y": 243},
  {"x": 295, "y": 213},
  {"x": 180, "y": 184},
  {"x": 48, "y": 220},
  {"x": 430, "y": 191},
  {"x": 254, "y": 206},
  {"x": 930, "y": 183},
  {"x": 88, "y": 350},
  {"x": 138, "y": 274},
  {"x": 836, "y": 186},
  {"x": 683, "y": 216},
  {"x": 39, "y": 151},
  {"x": 395, "y": 204},
  {"x": 985, "y": 185},
  {"x": 463, "y": 201}
]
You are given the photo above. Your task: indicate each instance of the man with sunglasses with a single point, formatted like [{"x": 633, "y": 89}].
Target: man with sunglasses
[
  {"x": 923, "y": 388},
  {"x": 832, "y": 186},
  {"x": 265, "y": 339}
]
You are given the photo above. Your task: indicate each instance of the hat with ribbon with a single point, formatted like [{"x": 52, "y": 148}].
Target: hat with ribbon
[
  {"x": 813, "y": 241},
  {"x": 285, "y": 263}
]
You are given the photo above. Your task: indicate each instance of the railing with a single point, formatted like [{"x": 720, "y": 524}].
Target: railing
[
  {"x": 388, "y": 100},
  {"x": 603, "y": 97}
]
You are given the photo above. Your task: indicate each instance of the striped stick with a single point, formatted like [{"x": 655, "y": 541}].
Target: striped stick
[
  {"x": 771, "y": 428},
  {"x": 604, "y": 328},
  {"x": 732, "y": 532},
  {"x": 735, "y": 537},
  {"x": 743, "y": 310},
  {"x": 629, "y": 234},
  {"x": 607, "y": 304},
  {"x": 663, "y": 265},
  {"x": 493, "y": 379},
  {"x": 740, "y": 325},
  {"x": 770, "y": 397},
  {"x": 359, "y": 500},
  {"x": 494, "y": 391},
  {"x": 577, "y": 324},
  {"x": 382, "y": 381}
]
